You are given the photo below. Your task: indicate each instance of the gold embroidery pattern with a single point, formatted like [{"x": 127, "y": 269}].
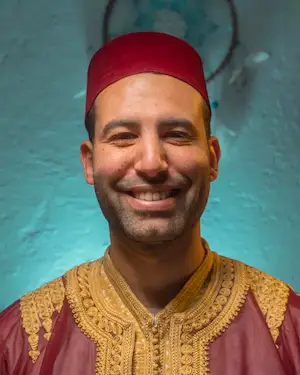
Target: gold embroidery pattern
[
  {"x": 188, "y": 333},
  {"x": 114, "y": 339},
  {"x": 37, "y": 309},
  {"x": 212, "y": 317},
  {"x": 182, "y": 301},
  {"x": 155, "y": 328},
  {"x": 272, "y": 297}
]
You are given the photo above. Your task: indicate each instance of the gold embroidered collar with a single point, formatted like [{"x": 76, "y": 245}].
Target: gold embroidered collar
[
  {"x": 179, "y": 304},
  {"x": 99, "y": 310}
]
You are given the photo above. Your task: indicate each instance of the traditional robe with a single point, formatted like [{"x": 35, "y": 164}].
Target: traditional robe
[{"x": 228, "y": 319}]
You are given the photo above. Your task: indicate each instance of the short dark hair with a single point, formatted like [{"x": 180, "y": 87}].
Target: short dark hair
[
  {"x": 91, "y": 119},
  {"x": 90, "y": 123},
  {"x": 207, "y": 118}
]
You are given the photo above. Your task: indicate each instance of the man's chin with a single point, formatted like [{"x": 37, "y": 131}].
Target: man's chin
[
  {"x": 152, "y": 241},
  {"x": 152, "y": 235}
]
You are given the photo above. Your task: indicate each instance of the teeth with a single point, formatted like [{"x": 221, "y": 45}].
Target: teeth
[{"x": 152, "y": 196}]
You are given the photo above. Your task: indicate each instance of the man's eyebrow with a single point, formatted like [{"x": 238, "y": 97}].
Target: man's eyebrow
[
  {"x": 113, "y": 124},
  {"x": 174, "y": 121}
]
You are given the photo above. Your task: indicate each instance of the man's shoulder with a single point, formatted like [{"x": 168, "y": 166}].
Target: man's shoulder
[
  {"x": 32, "y": 317},
  {"x": 262, "y": 282},
  {"x": 49, "y": 296},
  {"x": 33, "y": 310},
  {"x": 38, "y": 306},
  {"x": 271, "y": 295},
  {"x": 259, "y": 281}
]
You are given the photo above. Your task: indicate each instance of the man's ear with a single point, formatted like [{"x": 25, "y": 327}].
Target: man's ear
[
  {"x": 215, "y": 155},
  {"x": 86, "y": 157}
]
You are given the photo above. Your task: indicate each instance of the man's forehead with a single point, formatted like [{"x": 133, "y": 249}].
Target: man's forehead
[
  {"x": 150, "y": 87},
  {"x": 153, "y": 113},
  {"x": 149, "y": 82}
]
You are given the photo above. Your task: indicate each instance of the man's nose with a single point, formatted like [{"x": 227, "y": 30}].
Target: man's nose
[{"x": 151, "y": 158}]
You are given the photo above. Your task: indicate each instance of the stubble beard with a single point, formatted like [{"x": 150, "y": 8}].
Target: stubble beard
[{"x": 150, "y": 228}]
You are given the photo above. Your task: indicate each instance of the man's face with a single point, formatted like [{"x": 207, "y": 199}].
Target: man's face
[{"x": 151, "y": 163}]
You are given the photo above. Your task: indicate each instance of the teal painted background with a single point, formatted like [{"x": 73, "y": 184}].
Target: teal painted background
[{"x": 50, "y": 220}]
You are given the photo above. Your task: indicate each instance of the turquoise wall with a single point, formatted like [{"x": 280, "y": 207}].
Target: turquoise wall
[{"x": 50, "y": 220}]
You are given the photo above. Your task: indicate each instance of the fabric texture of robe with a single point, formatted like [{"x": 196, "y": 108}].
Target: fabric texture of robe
[{"x": 229, "y": 319}]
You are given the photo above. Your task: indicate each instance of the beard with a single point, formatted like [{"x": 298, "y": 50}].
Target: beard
[{"x": 151, "y": 227}]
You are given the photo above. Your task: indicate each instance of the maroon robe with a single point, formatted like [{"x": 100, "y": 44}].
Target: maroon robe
[{"x": 228, "y": 319}]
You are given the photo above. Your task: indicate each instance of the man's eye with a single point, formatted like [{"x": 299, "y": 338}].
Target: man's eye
[
  {"x": 122, "y": 136},
  {"x": 178, "y": 134}
]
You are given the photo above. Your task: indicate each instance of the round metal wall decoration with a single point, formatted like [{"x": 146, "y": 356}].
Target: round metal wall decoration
[{"x": 191, "y": 20}]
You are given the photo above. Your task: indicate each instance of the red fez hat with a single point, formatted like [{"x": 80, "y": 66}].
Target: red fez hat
[{"x": 144, "y": 52}]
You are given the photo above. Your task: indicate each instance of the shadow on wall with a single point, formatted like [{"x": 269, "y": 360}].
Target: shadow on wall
[
  {"x": 261, "y": 39},
  {"x": 235, "y": 89},
  {"x": 92, "y": 21},
  {"x": 237, "y": 86}
]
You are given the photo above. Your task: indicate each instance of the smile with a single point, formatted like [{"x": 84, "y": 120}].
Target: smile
[
  {"x": 154, "y": 196},
  {"x": 153, "y": 200}
]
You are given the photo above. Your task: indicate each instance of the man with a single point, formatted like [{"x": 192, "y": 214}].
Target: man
[{"x": 159, "y": 301}]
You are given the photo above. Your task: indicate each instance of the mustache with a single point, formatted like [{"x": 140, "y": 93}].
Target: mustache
[{"x": 127, "y": 184}]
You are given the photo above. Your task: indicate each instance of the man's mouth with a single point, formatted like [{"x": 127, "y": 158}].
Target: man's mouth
[{"x": 155, "y": 196}]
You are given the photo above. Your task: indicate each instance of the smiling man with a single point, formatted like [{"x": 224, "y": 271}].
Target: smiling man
[{"x": 159, "y": 301}]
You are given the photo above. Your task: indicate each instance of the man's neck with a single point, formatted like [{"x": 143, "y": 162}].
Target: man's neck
[{"x": 156, "y": 276}]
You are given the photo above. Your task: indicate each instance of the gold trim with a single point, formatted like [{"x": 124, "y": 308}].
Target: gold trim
[
  {"x": 37, "y": 309},
  {"x": 180, "y": 303},
  {"x": 221, "y": 303},
  {"x": 220, "y": 287},
  {"x": 114, "y": 338},
  {"x": 190, "y": 332},
  {"x": 272, "y": 297}
]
